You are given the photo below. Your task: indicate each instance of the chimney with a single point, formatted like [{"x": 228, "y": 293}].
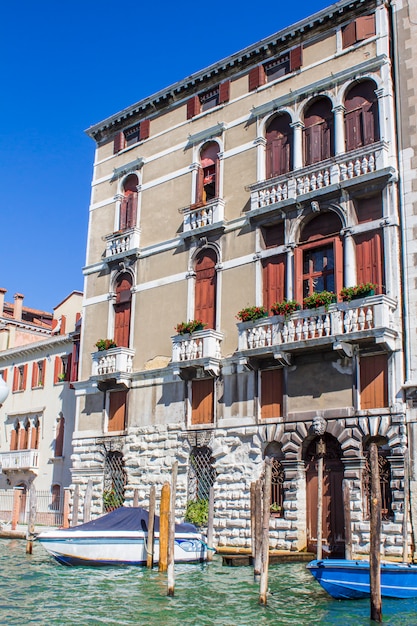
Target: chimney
[
  {"x": 18, "y": 305},
  {"x": 2, "y": 294}
]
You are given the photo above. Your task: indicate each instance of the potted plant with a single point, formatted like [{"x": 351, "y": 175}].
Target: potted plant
[
  {"x": 358, "y": 291},
  {"x": 286, "y": 307},
  {"x": 186, "y": 328},
  {"x": 275, "y": 509},
  {"x": 252, "y": 313},
  {"x": 320, "y": 298},
  {"x": 105, "y": 344}
]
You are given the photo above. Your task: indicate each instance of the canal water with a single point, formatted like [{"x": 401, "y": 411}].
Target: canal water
[{"x": 36, "y": 590}]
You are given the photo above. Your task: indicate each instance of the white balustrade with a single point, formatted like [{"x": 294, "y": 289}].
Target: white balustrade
[
  {"x": 113, "y": 361},
  {"x": 205, "y": 215},
  {"x": 122, "y": 242},
  {"x": 19, "y": 460},
  {"x": 202, "y": 344}
]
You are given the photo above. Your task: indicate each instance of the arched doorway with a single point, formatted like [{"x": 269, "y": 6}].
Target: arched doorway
[{"x": 332, "y": 514}]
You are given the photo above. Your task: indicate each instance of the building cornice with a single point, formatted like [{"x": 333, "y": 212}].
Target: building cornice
[{"x": 31, "y": 348}]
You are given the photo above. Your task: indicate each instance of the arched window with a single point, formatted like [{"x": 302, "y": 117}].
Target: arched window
[
  {"x": 122, "y": 310},
  {"x": 278, "y": 146},
  {"x": 56, "y": 497},
  {"x": 59, "y": 441},
  {"x": 384, "y": 481},
  {"x": 361, "y": 115},
  {"x": 273, "y": 450},
  {"x": 24, "y": 436},
  {"x": 129, "y": 205},
  {"x": 206, "y": 287},
  {"x": 114, "y": 481},
  {"x": 318, "y": 131},
  {"x": 208, "y": 173}
]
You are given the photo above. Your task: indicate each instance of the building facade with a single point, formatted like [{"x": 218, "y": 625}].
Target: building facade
[{"x": 248, "y": 204}]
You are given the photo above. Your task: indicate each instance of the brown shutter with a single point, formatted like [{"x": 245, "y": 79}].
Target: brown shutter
[
  {"x": 369, "y": 261},
  {"x": 224, "y": 92},
  {"x": 117, "y": 411},
  {"x": 296, "y": 55},
  {"x": 144, "y": 130},
  {"x": 59, "y": 441},
  {"x": 4, "y": 373},
  {"x": 273, "y": 278},
  {"x": 15, "y": 379},
  {"x": 200, "y": 186},
  {"x": 123, "y": 213},
  {"x": 257, "y": 77},
  {"x": 365, "y": 27},
  {"x": 368, "y": 126},
  {"x": 119, "y": 142},
  {"x": 338, "y": 264},
  {"x": 202, "y": 401},
  {"x": 131, "y": 210},
  {"x": 35, "y": 375},
  {"x": 13, "y": 439},
  {"x": 353, "y": 134},
  {"x": 374, "y": 381},
  {"x": 63, "y": 325},
  {"x": 298, "y": 274},
  {"x": 349, "y": 34},
  {"x": 25, "y": 375},
  {"x": 71, "y": 372},
  {"x": 271, "y": 393},
  {"x": 34, "y": 438},
  {"x": 205, "y": 289},
  {"x": 57, "y": 368},
  {"x": 193, "y": 107}
]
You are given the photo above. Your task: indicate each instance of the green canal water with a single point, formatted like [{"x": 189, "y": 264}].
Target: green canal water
[{"x": 36, "y": 590}]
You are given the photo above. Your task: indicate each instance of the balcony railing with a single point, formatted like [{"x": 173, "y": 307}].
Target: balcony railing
[
  {"x": 19, "y": 460},
  {"x": 333, "y": 171},
  {"x": 359, "y": 320},
  {"x": 122, "y": 242},
  {"x": 206, "y": 215},
  {"x": 201, "y": 348},
  {"x": 113, "y": 361}
]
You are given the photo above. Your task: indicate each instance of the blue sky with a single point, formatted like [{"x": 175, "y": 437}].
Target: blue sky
[{"x": 68, "y": 65}]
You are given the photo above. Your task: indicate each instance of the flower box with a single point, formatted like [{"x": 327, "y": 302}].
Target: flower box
[
  {"x": 252, "y": 313},
  {"x": 358, "y": 291},
  {"x": 286, "y": 307},
  {"x": 318, "y": 299}
]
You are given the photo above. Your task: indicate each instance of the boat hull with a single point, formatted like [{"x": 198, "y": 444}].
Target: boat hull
[{"x": 348, "y": 579}]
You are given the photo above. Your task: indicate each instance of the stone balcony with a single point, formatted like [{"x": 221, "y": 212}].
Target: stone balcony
[
  {"x": 19, "y": 460},
  {"x": 363, "y": 321},
  {"x": 199, "y": 350},
  {"x": 113, "y": 364},
  {"x": 122, "y": 243},
  {"x": 209, "y": 216},
  {"x": 342, "y": 170}
]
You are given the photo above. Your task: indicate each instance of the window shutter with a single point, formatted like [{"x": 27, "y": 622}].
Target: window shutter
[
  {"x": 63, "y": 325},
  {"x": 69, "y": 371},
  {"x": 144, "y": 130},
  {"x": 119, "y": 142},
  {"x": 117, "y": 411},
  {"x": 368, "y": 126},
  {"x": 365, "y": 27},
  {"x": 271, "y": 393},
  {"x": 59, "y": 441},
  {"x": 338, "y": 264},
  {"x": 256, "y": 77},
  {"x": 273, "y": 278},
  {"x": 4, "y": 374},
  {"x": 25, "y": 375},
  {"x": 374, "y": 381},
  {"x": 349, "y": 34},
  {"x": 57, "y": 368},
  {"x": 123, "y": 213},
  {"x": 369, "y": 260},
  {"x": 296, "y": 56},
  {"x": 298, "y": 274},
  {"x": 34, "y": 438},
  {"x": 193, "y": 107},
  {"x": 35, "y": 374},
  {"x": 224, "y": 91},
  {"x": 200, "y": 186},
  {"x": 202, "y": 401},
  {"x": 13, "y": 439},
  {"x": 353, "y": 136},
  {"x": 131, "y": 210},
  {"x": 205, "y": 289}
]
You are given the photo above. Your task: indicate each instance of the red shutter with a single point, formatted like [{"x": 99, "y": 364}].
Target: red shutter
[
  {"x": 273, "y": 278},
  {"x": 57, "y": 368},
  {"x": 35, "y": 375},
  {"x": 365, "y": 27},
  {"x": 34, "y": 438},
  {"x": 200, "y": 186},
  {"x": 71, "y": 372},
  {"x": 205, "y": 288},
  {"x": 374, "y": 381},
  {"x": 123, "y": 214},
  {"x": 224, "y": 92},
  {"x": 15, "y": 379},
  {"x": 368, "y": 126},
  {"x": 4, "y": 374},
  {"x": 369, "y": 261},
  {"x": 353, "y": 129},
  {"x": 202, "y": 401},
  {"x": 338, "y": 264},
  {"x": 256, "y": 77},
  {"x": 25, "y": 375},
  {"x": 63, "y": 325},
  {"x": 119, "y": 142},
  {"x": 349, "y": 34},
  {"x": 59, "y": 441},
  {"x": 131, "y": 210},
  {"x": 44, "y": 370},
  {"x": 117, "y": 411},
  {"x": 271, "y": 393},
  {"x": 298, "y": 274},
  {"x": 13, "y": 439},
  {"x": 296, "y": 55},
  {"x": 193, "y": 107},
  {"x": 144, "y": 130}
]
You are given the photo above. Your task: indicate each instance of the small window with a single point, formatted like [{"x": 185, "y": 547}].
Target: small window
[
  {"x": 38, "y": 374},
  {"x": 358, "y": 30},
  {"x": 209, "y": 99},
  {"x": 19, "y": 378},
  {"x": 274, "y": 452},
  {"x": 208, "y": 178},
  {"x": 201, "y": 475},
  {"x": 131, "y": 136},
  {"x": 55, "y": 497},
  {"x": 277, "y": 68},
  {"x": 61, "y": 368},
  {"x": 59, "y": 440}
]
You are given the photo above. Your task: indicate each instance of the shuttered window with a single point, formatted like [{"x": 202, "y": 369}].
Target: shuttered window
[
  {"x": 129, "y": 204},
  {"x": 35, "y": 435},
  {"x": 271, "y": 393},
  {"x": 374, "y": 382},
  {"x": 318, "y": 132},
  {"x": 358, "y": 30},
  {"x": 273, "y": 279},
  {"x": 117, "y": 411},
  {"x": 257, "y": 77},
  {"x": 206, "y": 288},
  {"x": 208, "y": 174},
  {"x": 193, "y": 107},
  {"x": 122, "y": 310},
  {"x": 361, "y": 116},
  {"x": 202, "y": 401},
  {"x": 369, "y": 259},
  {"x": 59, "y": 440},
  {"x": 20, "y": 377},
  {"x": 132, "y": 135},
  {"x": 278, "y": 146}
]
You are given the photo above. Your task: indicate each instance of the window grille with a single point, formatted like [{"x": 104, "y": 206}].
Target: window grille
[
  {"x": 114, "y": 481},
  {"x": 201, "y": 473},
  {"x": 385, "y": 484},
  {"x": 277, "y": 492}
]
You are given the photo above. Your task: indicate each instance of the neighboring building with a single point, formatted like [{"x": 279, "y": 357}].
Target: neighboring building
[
  {"x": 39, "y": 366},
  {"x": 270, "y": 175}
]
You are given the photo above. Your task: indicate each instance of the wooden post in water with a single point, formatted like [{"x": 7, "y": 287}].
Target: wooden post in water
[
  {"x": 136, "y": 497},
  {"x": 347, "y": 519},
  {"x": 321, "y": 451},
  {"x": 31, "y": 521},
  {"x": 171, "y": 531},
  {"x": 163, "y": 527},
  {"x": 210, "y": 524},
  {"x": 87, "y": 501},
  {"x": 257, "y": 564},
  {"x": 266, "y": 514},
  {"x": 406, "y": 506},
  {"x": 151, "y": 528},
  {"x": 75, "y": 504},
  {"x": 66, "y": 508},
  {"x": 252, "y": 519},
  {"x": 375, "y": 542},
  {"x": 17, "y": 493}
]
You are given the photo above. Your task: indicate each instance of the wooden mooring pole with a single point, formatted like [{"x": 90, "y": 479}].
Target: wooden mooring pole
[
  {"x": 210, "y": 525},
  {"x": 136, "y": 497},
  {"x": 321, "y": 451},
  {"x": 163, "y": 527},
  {"x": 375, "y": 541},
  {"x": 347, "y": 519},
  {"x": 252, "y": 519},
  {"x": 75, "y": 504},
  {"x": 151, "y": 528},
  {"x": 265, "y": 532},
  {"x": 406, "y": 506},
  {"x": 257, "y": 563},
  {"x": 87, "y": 501},
  {"x": 171, "y": 531},
  {"x": 30, "y": 533}
]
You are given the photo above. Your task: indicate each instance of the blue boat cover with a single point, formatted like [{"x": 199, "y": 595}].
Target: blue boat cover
[{"x": 128, "y": 518}]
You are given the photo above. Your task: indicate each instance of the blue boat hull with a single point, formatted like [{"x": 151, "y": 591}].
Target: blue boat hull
[{"x": 344, "y": 579}]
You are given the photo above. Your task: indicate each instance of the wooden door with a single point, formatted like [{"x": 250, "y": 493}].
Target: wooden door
[
  {"x": 332, "y": 515},
  {"x": 273, "y": 278},
  {"x": 205, "y": 288}
]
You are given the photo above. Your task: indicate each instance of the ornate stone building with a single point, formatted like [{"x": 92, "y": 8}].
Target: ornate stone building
[{"x": 257, "y": 185}]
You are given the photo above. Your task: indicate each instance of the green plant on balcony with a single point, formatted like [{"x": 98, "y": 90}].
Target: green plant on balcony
[
  {"x": 286, "y": 307},
  {"x": 358, "y": 291},
  {"x": 61, "y": 377},
  {"x": 105, "y": 344},
  {"x": 252, "y": 313},
  {"x": 197, "y": 512},
  {"x": 318, "y": 299},
  {"x": 186, "y": 328}
]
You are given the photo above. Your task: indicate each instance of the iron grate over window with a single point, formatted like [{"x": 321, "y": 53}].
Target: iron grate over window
[
  {"x": 201, "y": 475},
  {"x": 114, "y": 481},
  {"x": 385, "y": 484}
]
